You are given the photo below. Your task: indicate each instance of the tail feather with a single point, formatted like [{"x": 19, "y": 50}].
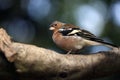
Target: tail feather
[{"x": 109, "y": 44}]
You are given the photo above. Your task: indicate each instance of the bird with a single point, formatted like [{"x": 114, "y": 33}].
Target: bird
[{"x": 72, "y": 38}]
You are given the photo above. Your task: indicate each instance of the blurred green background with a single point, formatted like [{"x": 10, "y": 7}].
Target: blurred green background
[{"x": 28, "y": 21}]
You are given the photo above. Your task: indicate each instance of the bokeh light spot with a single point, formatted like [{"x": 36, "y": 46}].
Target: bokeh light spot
[
  {"x": 116, "y": 13},
  {"x": 20, "y": 29},
  {"x": 38, "y": 9},
  {"x": 90, "y": 19}
]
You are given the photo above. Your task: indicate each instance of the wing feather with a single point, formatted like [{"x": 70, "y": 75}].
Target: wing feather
[{"x": 80, "y": 32}]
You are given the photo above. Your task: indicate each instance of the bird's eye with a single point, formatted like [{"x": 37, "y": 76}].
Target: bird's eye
[{"x": 55, "y": 24}]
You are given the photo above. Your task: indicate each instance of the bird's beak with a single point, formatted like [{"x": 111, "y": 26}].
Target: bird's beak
[{"x": 51, "y": 28}]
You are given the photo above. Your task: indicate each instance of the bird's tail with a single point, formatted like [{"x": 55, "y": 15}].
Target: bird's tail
[{"x": 109, "y": 44}]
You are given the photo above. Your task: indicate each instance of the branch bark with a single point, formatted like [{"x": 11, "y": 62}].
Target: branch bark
[{"x": 50, "y": 65}]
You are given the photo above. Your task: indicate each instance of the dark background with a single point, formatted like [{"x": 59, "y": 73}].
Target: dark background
[{"x": 28, "y": 21}]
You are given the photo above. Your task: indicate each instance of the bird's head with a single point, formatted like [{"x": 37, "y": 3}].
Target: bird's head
[{"x": 56, "y": 25}]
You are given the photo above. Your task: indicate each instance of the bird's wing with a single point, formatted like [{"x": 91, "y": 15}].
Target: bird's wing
[
  {"x": 87, "y": 35},
  {"x": 80, "y": 32}
]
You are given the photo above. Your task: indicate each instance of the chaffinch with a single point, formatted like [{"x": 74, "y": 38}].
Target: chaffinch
[{"x": 71, "y": 38}]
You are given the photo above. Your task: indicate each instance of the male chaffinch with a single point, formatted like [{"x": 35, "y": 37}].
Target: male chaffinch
[{"x": 71, "y": 38}]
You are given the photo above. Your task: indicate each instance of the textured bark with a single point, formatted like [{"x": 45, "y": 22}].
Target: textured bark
[{"x": 46, "y": 64}]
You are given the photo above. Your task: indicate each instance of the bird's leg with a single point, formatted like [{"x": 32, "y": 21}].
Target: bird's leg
[{"x": 69, "y": 51}]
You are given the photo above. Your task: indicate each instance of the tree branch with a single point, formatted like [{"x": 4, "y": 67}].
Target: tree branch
[{"x": 50, "y": 65}]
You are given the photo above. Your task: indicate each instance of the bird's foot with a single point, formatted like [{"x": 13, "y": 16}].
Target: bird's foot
[{"x": 69, "y": 52}]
